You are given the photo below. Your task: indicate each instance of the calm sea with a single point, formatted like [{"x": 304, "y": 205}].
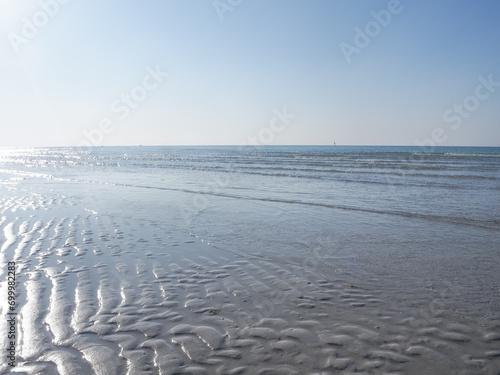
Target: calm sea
[
  {"x": 396, "y": 215},
  {"x": 458, "y": 185}
]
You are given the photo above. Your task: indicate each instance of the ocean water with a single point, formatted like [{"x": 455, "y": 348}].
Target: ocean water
[
  {"x": 401, "y": 218},
  {"x": 270, "y": 260}
]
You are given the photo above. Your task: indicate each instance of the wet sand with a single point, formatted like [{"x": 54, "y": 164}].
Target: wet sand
[{"x": 105, "y": 294}]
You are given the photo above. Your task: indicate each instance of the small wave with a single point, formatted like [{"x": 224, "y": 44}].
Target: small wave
[
  {"x": 473, "y": 155},
  {"x": 493, "y": 224}
]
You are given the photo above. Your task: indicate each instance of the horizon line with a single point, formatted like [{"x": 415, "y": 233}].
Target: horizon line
[{"x": 250, "y": 146}]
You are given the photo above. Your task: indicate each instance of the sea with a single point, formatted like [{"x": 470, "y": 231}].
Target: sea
[
  {"x": 407, "y": 219},
  {"x": 250, "y": 260}
]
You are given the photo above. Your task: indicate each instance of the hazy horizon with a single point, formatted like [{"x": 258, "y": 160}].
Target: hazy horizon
[{"x": 423, "y": 148}]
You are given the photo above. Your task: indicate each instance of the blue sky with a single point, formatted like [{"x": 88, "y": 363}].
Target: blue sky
[{"x": 68, "y": 67}]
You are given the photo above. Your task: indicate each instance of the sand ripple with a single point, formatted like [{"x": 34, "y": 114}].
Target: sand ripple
[{"x": 107, "y": 295}]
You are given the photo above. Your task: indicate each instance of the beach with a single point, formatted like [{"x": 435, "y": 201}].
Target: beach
[{"x": 278, "y": 260}]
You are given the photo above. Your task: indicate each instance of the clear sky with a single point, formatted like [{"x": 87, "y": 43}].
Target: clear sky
[{"x": 185, "y": 72}]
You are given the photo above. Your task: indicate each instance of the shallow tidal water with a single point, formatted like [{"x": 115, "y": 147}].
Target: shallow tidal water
[{"x": 276, "y": 260}]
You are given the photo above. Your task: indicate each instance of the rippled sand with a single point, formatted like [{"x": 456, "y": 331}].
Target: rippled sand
[{"x": 111, "y": 294}]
